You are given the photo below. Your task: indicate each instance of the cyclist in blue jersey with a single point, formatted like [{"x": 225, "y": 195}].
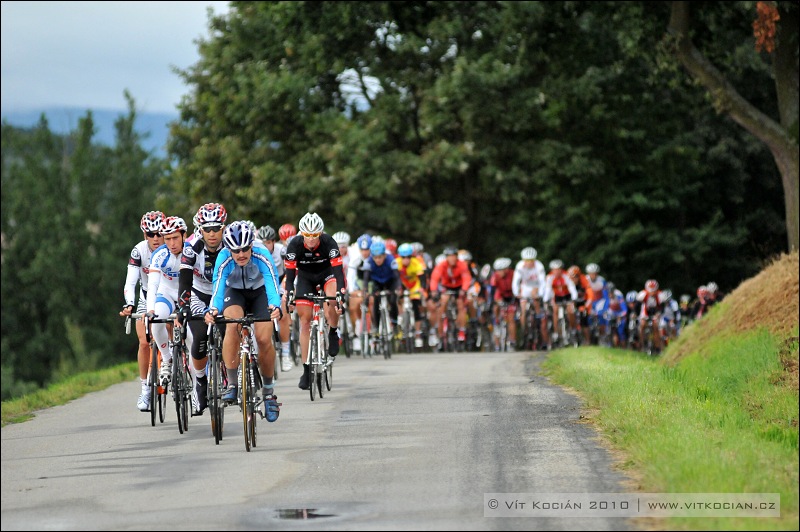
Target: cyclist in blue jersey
[
  {"x": 269, "y": 237},
  {"x": 384, "y": 275},
  {"x": 246, "y": 282}
]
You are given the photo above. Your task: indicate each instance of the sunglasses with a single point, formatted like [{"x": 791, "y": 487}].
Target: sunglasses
[
  {"x": 241, "y": 250},
  {"x": 212, "y": 228},
  {"x": 311, "y": 235},
  {"x": 152, "y": 234}
]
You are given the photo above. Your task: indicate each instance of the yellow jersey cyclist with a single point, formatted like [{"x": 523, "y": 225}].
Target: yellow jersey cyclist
[{"x": 412, "y": 274}]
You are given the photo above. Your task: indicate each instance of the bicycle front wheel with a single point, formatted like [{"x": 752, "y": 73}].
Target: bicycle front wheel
[
  {"x": 177, "y": 387},
  {"x": 152, "y": 382},
  {"x": 312, "y": 367},
  {"x": 244, "y": 392}
]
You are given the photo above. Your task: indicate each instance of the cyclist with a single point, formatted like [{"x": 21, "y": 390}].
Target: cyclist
[
  {"x": 286, "y": 232},
  {"x": 714, "y": 295},
  {"x": 634, "y": 307},
  {"x": 269, "y": 237},
  {"x": 194, "y": 286},
  {"x": 652, "y": 306},
  {"x": 670, "y": 324},
  {"x": 598, "y": 285},
  {"x": 138, "y": 270},
  {"x": 528, "y": 285},
  {"x": 501, "y": 289},
  {"x": 612, "y": 308},
  {"x": 356, "y": 286},
  {"x": 559, "y": 288},
  {"x": 412, "y": 272},
  {"x": 162, "y": 286},
  {"x": 246, "y": 282},
  {"x": 450, "y": 278},
  {"x": 391, "y": 246},
  {"x": 583, "y": 301},
  {"x": 382, "y": 272},
  {"x": 701, "y": 304},
  {"x": 314, "y": 259},
  {"x": 685, "y": 309}
]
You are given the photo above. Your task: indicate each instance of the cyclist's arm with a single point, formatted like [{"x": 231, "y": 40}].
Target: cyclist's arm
[
  {"x": 516, "y": 282},
  {"x": 338, "y": 274},
  {"x": 263, "y": 259},
  {"x": 153, "y": 281},
  {"x": 129, "y": 290},
  {"x": 573, "y": 292},
  {"x": 222, "y": 269}
]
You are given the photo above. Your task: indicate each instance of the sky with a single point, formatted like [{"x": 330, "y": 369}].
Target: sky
[{"x": 86, "y": 54}]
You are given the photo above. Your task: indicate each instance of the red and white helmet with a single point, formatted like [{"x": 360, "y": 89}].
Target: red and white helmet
[
  {"x": 173, "y": 224},
  {"x": 391, "y": 245},
  {"x": 287, "y": 231},
  {"x": 152, "y": 222},
  {"x": 651, "y": 285},
  {"x": 211, "y": 214}
]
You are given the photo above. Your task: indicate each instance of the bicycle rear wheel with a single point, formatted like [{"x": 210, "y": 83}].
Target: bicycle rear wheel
[
  {"x": 177, "y": 387},
  {"x": 245, "y": 391},
  {"x": 312, "y": 368}
]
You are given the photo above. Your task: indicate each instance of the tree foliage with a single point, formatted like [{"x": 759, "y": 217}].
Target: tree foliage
[{"x": 70, "y": 217}]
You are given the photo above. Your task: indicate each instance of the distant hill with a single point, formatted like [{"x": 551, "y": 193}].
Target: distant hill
[{"x": 154, "y": 127}]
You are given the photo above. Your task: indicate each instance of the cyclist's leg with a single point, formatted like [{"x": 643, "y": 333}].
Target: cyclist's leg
[
  {"x": 163, "y": 308},
  {"x": 332, "y": 317}
]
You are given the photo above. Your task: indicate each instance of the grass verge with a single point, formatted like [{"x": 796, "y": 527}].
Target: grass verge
[
  {"x": 724, "y": 421},
  {"x": 23, "y": 408}
]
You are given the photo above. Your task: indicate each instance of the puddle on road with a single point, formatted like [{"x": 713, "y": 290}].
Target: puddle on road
[{"x": 299, "y": 513}]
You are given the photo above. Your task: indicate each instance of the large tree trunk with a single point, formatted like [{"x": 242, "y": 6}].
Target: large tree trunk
[{"x": 727, "y": 100}]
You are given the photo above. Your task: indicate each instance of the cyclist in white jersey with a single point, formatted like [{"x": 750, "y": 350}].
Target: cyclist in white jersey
[
  {"x": 354, "y": 280},
  {"x": 528, "y": 284},
  {"x": 269, "y": 237},
  {"x": 138, "y": 269},
  {"x": 194, "y": 287},
  {"x": 162, "y": 286}
]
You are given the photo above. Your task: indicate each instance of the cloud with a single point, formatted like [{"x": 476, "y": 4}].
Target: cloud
[{"x": 85, "y": 54}]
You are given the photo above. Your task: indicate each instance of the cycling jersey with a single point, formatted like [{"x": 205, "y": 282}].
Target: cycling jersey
[
  {"x": 410, "y": 276},
  {"x": 501, "y": 285},
  {"x": 162, "y": 279},
  {"x": 317, "y": 265},
  {"x": 355, "y": 272},
  {"x": 386, "y": 274},
  {"x": 528, "y": 281},
  {"x": 260, "y": 271},
  {"x": 138, "y": 270},
  {"x": 598, "y": 287},
  {"x": 559, "y": 286},
  {"x": 651, "y": 303},
  {"x": 451, "y": 277}
]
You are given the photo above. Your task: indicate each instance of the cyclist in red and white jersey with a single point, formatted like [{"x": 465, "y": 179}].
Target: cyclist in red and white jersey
[
  {"x": 652, "y": 305},
  {"x": 558, "y": 288},
  {"x": 450, "y": 276},
  {"x": 138, "y": 270}
]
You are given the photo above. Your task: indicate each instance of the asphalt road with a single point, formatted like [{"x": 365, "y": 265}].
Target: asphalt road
[{"x": 411, "y": 443}]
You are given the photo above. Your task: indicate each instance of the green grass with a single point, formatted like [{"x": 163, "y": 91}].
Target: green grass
[
  {"x": 720, "y": 422},
  {"x": 23, "y": 408}
]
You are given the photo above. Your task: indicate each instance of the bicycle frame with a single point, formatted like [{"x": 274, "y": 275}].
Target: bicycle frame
[{"x": 320, "y": 366}]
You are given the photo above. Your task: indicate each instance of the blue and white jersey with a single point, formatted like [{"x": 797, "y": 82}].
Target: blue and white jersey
[
  {"x": 162, "y": 280},
  {"x": 138, "y": 269},
  {"x": 384, "y": 273},
  {"x": 260, "y": 271}
]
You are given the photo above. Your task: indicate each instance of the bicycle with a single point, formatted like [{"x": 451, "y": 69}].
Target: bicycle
[
  {"x": 181, "y": 379},
  {"x": 407, "y": 323},
  {"x": 217, "y": 382},
  {"x": 383, "y": 343},
  {"x": 501, "y": 326},
  {"x": 158, "y": 393},
  {"x": 294, "y": 340},
  {"x": 320, "y": 367},
  {"x": 449, "y": 327},
  {"x": 346, "y": 328},
  {"x": 249, "y": 376},
  {"x": 366, "y": 325}
]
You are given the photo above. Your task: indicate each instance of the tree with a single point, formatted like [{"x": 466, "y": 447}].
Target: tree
[{"x": 781, "y": 136}]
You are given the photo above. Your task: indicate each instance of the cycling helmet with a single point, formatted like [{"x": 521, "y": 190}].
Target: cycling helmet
[
  {"x": 418, "y": 247},
  {"x": 486, "y": 272},
  {"x": 449, "y": 250},
  {"x": 342, "y": 238},
  {"x": 712, "y": 287},
  {"x": 438, "y": 259},
  {"x": 651, "y": 285},
  {"x": 502, "y": 263},
  {"x": 611, "y": 287},
  {"x": 573, "y": 271},
  {"x": 464, "y": 255},
  {"x": 592, "y": 268},
  {"x": 377, "y": 248},
  {"x": 685, "y": 298},
  {"x": 528, "y": 253},
  {"x": 556, "y": 264},
  {"x": 266, "y": 232},
  {"x": 311, "y": 223},
  {"x": 152, "y": 222},
  {"x": 391, "y": 245},
  {"x": 405, "y": 250},
  {"x": 239, "y": 235},
  {"x": 287, "y": 231},
  {"x": 667, "y": 294},
  {"x": 210, "y": 214},
  {"x": 630, "y": 297},
  {"x": 702, "y": 291},
  {"x": 173, "y": 224},
  {"x": 364, "y": 241}
]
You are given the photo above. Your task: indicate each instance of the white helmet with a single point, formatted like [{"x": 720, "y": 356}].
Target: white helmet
[
  {"x": 666, "y": 294},
  {"x": 342, "y": 238},
  {"x": 528, "y": 253},
  {"x": 439, "y": 258},
  {"x": 712, "y": 287},
  {"x": 556, "y": 264},
  {"x": 592, "y": 268},
  {"x": 173, "y": 224},
  {"x": 311, "y": 223},
  {"x": 502, "y": 263}
]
